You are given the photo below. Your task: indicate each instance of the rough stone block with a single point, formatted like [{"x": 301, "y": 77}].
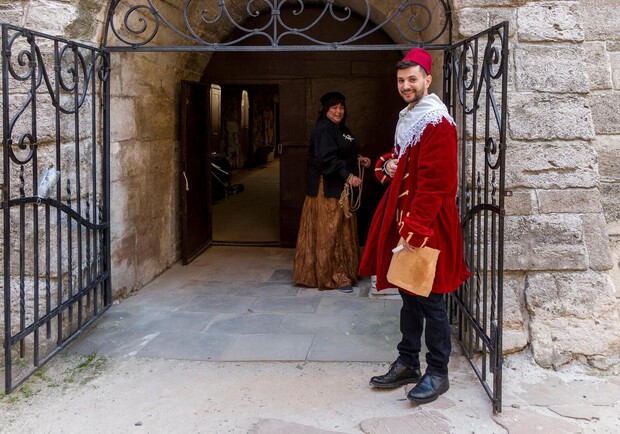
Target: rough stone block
[
  {"x": 569, "y": 201},
  {"x": 544, "y": 242},
  {"x": 610, "y": 192},
  {"x": 461, "y": 4},
  {"x": 600, "y": 19},
  {"x": 597, "y": 242},
  {"x": 608, "y": 150},
  {"x": 520, "y": 203},
  {"x": 122, "y": 119},
  {"x": 558, "y": 341},
  {"x": 514, "y": 303},
  {"x": 472, "y": 21},
  {"x": 551, "y": 68},
  {"x": 51, "y": 17},
  {"x": 550, "y": 21},
  {"x": 550, "y": 116},
  {"x": 12, "y": 13},
  {"x": 551, "y": 165},
  {"x": 587, "y": 296},
  {"x": 514, "y": 340},
  {"x": 157, "y": 119},
  {"x": 605, "y": 113},
  {"x": 615, "y": 71},
  {"x": 598, "y": 66}
]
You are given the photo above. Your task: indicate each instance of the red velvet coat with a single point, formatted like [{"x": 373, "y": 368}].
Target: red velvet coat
[{"x": 420, "y": 202}]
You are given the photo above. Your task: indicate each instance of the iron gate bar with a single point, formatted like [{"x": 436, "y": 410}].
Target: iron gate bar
[
  {"x": 416, "y": 13},
  {"x": 476, "y": 309},
  {"x": 87, "y": 67}
]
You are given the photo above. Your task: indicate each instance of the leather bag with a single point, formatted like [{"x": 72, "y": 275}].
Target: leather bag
[{"x": 414, "y": 272}]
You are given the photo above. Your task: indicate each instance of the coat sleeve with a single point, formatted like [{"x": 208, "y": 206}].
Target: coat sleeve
[
  {"x": 436, "y": 181},
  {"x": 327, "y": 154},
  {"x": 380, "y": 174}
]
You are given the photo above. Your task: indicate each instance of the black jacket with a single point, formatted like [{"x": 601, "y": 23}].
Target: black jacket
[{"x": 333, "y": 154}]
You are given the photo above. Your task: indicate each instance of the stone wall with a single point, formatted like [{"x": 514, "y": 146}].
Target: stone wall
[{"x": 562, "y": 245}]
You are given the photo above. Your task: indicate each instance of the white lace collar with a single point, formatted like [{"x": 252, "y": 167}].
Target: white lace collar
[{"x": 412, "y": 122}]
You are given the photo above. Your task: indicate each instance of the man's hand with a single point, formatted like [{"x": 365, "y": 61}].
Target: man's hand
[
  {"x": 409, "y": 247},
  {"x": 390, "y": 167},
  {"x": 354, "y": 180}
]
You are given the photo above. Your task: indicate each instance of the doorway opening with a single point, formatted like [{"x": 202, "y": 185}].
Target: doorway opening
[{"x": 245, "y": 166}]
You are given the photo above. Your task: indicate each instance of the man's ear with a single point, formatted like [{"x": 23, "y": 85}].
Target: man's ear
[{"x": 429, "y": 80}]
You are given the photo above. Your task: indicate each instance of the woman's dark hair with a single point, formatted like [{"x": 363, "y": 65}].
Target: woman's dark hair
[{"x": 330, "y": 99}]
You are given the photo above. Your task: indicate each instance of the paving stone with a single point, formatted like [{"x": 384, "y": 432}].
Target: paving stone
[
  {"x": 282, "y": 276},
  {"x": 219, "y": 304},
  {"x": 285, "y": 304},
  {"x": 268, "y": 347},
  {"x": 555, "y": 391},
  {"x": 526, "y": 421},
  {"x": 586, "y": 412},
  {"x": 186, "y": 346},
  {"x": 254, "y": 323},
  {"x": 345, "y": 348},
  {"x": 421, "y": 421},
  {"x": 274, "y": 426}
]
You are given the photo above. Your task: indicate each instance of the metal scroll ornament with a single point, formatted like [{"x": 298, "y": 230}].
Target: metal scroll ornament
[{"x": 220, "y": 25}]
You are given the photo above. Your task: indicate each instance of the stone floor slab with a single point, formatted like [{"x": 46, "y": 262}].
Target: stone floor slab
[
  {"x": 420, "y": 422},
  {"x": 274, "y": 426},
  {"x": 526, "y": 421},
  {"x": 268, "y": 347},
  {"x": 374, "y": 348}
]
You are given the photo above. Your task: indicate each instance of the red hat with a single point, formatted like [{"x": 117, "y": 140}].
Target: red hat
[{"x": 421, "y": 57}]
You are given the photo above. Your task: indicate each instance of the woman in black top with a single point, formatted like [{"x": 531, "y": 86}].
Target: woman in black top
[{"x": 327, "y": 254}]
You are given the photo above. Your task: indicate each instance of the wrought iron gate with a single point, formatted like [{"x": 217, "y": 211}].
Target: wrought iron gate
[
  {"x": 55, "y": 195},
  {"x": 475, "y": 90},
  {"x": 56, "y": 113}
]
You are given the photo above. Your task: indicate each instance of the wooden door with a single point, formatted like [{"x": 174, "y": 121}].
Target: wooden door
[{"x": 196, "y": 139}]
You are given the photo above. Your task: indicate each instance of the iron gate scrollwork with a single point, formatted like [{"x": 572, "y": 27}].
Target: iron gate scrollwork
[
  {"x": 276, "y": 25},
  {"x": 55, "y": 195},
  {"x": 475, "y": 90}
]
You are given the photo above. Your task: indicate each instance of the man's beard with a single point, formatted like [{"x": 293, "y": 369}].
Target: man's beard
[{"x": 416, "y": 97}]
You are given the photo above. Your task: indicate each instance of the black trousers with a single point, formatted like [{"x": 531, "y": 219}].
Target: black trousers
[{"x": 415, "y": 312}]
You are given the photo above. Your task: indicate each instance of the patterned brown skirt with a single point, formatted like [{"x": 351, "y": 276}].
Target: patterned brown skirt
[{"x": 327, "y": 253}]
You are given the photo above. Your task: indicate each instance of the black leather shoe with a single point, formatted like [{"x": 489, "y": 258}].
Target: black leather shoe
[
  {"x": 428, "y": 389},
  {"x": 397, "y": 375}
]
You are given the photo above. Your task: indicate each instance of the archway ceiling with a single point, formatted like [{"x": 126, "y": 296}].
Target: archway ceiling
[{"x": 273, "y": 25}]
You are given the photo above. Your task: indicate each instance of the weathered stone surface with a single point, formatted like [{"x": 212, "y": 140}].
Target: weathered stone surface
[
  {"x": 422, "y": 421},
  {"x": 550, "y": 21},
  {"x": 579, "y": 411},
  {"x": 569, "y": 201},
  {"x": 556, "y": 342},
  {"x": 597, "y": 242},
  {"x": 598, "y": 66},
  {"x": 551, "y": 165},
  {"x": 572, "y": 315},
  {"x": 522, "y": 421},
  {"x": 614, "y": 58},
  {"x": 51, "y": 17},
  {"x": 461, "y": 4},
  {"x": 574, "y": 295},
  {"x": 155, "y": 120},
  {"x": 123, "y": 119},
  {"x": 544, "y": 242},
  {"x": 551, "y": 68},
  {"x": 609, "y": 199},
  {"x": 605, "y": 113},
  {"x": 520, "y": 203},
  {"x": 514, "y": 336},
  {"x": 608, "y": 151},
  {"x": 274, "y": 426},
  {"x": 548, "y": 116},
  {"x": 514, "y": 340},
  {"x": 600, "y": 19},
  {"x": 555, "y": 392},
  {"x": 471, "y": 21},
  {"x": 13, "y": 12}
]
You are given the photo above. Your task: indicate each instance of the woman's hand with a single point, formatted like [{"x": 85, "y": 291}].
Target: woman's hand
[
  {"x": 364, "y": 161},
  {"x": 354, "y": 180}
]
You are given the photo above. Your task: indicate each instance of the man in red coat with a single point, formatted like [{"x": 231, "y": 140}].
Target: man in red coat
[{"x": 419, "y": 205}]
